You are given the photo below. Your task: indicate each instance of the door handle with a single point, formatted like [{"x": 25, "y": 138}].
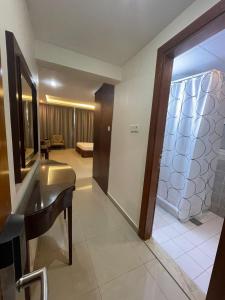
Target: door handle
[{"x": 28, "y": 279}]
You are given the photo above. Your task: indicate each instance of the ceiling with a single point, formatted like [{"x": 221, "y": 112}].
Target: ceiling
[
  {"x": 206, "y": 56},
  {"x": 70, "y": 84},
  {"x": 110, "y": 30}
]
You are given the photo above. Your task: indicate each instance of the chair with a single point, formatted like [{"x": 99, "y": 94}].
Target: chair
[
  {"x": 44, "y": 149},
  {"x": 57, "y": 141}
]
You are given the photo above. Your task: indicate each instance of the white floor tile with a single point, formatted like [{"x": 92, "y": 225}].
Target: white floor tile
[
  {"x": 82, "y": 166},
  {"x": 183, "y": 243},
  {"x": 193, "y": 247},
  {"x": 66, "y": 281},
  {"x": 210, "y": 247},
  {"x": 169, "y": 218},
  {"x": 183, "y": 227},
  {"x": 196, "y": 237},
  {"x": 160, "y": 237},
  {"x": 202, "y": 281},
  {"x": 210, "y": 269},
  {"x": 189, "y": 266},
  {"x": 201, "y": 258},
  {"x": 93, "y": 295},
  {"x": 137, "y": 244},
  {"x": 112, "y": 256},
  {"x": 172, "y": 249},
  {"x": 167, "y": 284},
  {"x": 170, "y": 231},
  {"x": 206, "y": 216},
  {"x": 144, "y": 287},
  {"x": 159, "y": 223}
]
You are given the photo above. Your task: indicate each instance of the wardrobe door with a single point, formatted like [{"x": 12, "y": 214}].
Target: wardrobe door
[{"x": 104, "y": 99}]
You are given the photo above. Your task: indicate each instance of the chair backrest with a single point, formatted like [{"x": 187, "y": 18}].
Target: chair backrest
[{"x": 57, "y": 137}]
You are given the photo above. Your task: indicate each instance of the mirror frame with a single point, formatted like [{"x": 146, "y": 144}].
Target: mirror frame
[{"x": 17, "y": 66}]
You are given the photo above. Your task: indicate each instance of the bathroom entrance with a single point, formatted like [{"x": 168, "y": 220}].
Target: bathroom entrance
[
  {"x": 190, "y": 196},
  {"x": 182, "y": 207}
]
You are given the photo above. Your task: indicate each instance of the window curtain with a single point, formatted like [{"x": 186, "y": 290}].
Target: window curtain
[
  {"x": 84, "y": 125},
  {"x": 193, "y": 134},
  {"x": 57, "y": 120},
  {"x": 28, "y": 124}
]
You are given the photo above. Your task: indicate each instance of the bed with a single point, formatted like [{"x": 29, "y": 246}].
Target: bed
[{"x": 85, "y": 149}]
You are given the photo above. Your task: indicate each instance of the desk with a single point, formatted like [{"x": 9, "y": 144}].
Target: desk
[{"x": 51, "y": 194}]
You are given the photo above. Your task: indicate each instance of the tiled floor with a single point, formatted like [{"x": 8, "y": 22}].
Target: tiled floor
[
  {"x": 110, "y": 262},
  {"x": 83, "y": 166},
  {"x": 192, "y": 247}
]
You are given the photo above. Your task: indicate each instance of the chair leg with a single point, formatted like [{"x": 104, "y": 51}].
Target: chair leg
[
  {"x": 65, "y": 214},
  {"x": 70, "y": 234}
]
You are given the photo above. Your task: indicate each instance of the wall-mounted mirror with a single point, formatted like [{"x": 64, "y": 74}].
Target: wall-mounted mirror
[
  {"x": 28, "y": 126},
  {"x": 23, "y": 109}
]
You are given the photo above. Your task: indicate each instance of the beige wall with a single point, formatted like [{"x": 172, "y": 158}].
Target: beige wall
[
  {"x": 14, "y": 17},
  {"x": 133, "y": 99}
]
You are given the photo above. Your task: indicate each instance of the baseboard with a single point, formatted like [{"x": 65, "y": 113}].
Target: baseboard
[
  {"x": 167, "y": 206},
  {"x": 123, "y": 212}
]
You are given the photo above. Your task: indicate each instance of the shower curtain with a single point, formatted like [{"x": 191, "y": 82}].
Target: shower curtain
[{"x": 193, "y": 133}]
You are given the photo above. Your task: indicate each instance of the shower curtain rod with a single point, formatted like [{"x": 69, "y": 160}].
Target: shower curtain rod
[{"x": 196, "y": 75}]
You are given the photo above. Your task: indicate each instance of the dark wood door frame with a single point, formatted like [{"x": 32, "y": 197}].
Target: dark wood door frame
[
  {"x": 210, "y": 23},
  {"x": 207, "y": 25},
  {"x": 5, "y": 199}
]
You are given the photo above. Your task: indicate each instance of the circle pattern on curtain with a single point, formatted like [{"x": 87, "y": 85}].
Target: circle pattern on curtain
[{"x": 193, "y": 133}]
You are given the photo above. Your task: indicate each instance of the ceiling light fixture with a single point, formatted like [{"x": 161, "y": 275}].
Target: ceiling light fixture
[
  {"x": 68, "y": 103},
  {"x": 26, "y": 97},
  {"x": 53, "y": 83}
]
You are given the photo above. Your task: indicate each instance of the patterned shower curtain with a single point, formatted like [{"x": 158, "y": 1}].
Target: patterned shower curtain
[{"x": 194, "y": 129}]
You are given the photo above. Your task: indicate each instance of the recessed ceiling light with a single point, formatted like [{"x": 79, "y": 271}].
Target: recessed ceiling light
[{"x": 52, "y": 82}]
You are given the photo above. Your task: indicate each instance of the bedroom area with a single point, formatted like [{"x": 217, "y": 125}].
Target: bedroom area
[
  {"x": 67, "y": 109},
  {"x": 68, "y": 133}
]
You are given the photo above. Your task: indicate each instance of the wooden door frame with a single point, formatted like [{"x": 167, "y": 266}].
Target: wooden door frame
[
  {"x": 207, "y": 25},
  {"x": 210, "y": 23}
]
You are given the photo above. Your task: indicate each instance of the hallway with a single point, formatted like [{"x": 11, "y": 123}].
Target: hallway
[{"x": 109, "y": 260}]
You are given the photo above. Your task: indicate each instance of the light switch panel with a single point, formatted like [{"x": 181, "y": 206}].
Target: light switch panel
[{"x": 134, "y": 128}]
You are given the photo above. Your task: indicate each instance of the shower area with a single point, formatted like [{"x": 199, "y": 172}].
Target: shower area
[
  {"x": 190, "y": 198},
  {"x": 190, "y": 164}
]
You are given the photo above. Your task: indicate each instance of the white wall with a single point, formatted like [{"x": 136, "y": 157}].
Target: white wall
[
  {"x": 14, "y": 17},
  {"x": 71, "y": 59},
  {"x": 132, "y": 105}
]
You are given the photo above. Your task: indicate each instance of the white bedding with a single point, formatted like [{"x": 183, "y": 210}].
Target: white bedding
[{"x": 85, "y": 146}]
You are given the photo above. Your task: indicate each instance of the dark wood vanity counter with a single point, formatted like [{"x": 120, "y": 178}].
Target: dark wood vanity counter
[
  {"x": 50, "y": 193},
  {"x": 51, "y": 179}
]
